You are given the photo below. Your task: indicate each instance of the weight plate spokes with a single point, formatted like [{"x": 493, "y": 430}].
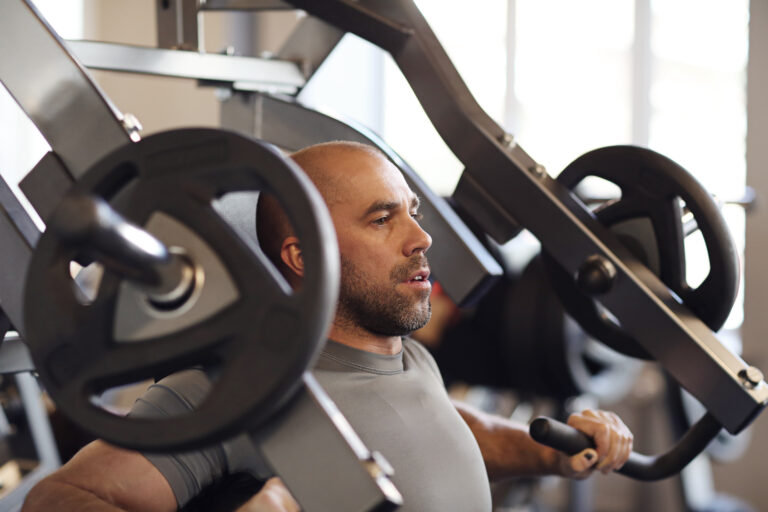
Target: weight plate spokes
[
  {"x": 548, "y": 354},
  {"x": 652, "y": 187},
  {"x": 242, "y": 316}
]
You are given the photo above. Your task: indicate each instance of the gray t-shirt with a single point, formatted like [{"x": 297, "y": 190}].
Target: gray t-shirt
[{"x": 397, "y": 405}]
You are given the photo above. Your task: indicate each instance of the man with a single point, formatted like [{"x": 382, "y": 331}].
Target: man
[{"x": 386, "y": 385}]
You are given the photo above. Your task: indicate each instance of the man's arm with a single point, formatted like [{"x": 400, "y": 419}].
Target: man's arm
[
  {"x": 102, "y": 477},
  {"x": 509, "y": 451},
  {"x": 273, "y": 497}
]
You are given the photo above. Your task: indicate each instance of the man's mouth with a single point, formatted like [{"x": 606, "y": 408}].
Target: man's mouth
[{"x": 422, "y": 276}]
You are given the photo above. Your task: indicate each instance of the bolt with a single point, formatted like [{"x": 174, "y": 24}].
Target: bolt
[
  {"x": 538, "y": 170},
  {"x": 750, "y": 377},
  {"x": 508, "y": 140},
  {"x": 378, "y": 466},
  {"x": 133, "y": 126},
  {"x": 596, "y": 275}
]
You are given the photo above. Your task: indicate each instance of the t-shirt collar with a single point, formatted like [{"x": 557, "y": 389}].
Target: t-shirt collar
[{"x": 378, "y": 363}]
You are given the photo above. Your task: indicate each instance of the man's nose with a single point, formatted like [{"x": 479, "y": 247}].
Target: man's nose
[{"x": 418, "y": 239}]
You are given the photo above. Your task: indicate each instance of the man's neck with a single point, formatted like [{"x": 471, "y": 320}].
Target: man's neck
[{"x": 359, "y": 338}]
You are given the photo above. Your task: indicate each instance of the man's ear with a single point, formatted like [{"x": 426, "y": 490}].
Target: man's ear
[{"x": 290, "y": 253}]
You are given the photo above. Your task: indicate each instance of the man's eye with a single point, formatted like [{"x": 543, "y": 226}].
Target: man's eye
[
  {"x": 417, "y": 216},
  {"x": 381, "y": 221}
]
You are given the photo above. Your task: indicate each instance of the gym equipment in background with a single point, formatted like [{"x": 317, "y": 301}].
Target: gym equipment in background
[{"x": 502, "y": 187}]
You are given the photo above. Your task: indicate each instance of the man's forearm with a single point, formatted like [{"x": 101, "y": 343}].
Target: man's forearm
[
  {"x": 507, "y": 449},
  {"x": 60, "y": 496},
  {"x": 103, "y": 477}
]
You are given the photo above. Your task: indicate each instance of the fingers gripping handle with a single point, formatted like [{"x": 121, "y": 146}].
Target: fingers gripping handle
[{"x": 567, "y": 439}]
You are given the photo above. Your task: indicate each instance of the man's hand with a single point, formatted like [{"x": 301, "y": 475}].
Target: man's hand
[
  {"x": 613, "y": 442},
  {"x": 273, "y": 497}
]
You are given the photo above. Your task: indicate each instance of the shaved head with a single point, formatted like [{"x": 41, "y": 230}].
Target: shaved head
[
  {"x": 323, "y": 164},
  {"x": 384, "y": 287}
]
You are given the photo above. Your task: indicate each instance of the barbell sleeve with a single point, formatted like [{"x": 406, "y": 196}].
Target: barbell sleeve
[{"x": 99, "y": 232}]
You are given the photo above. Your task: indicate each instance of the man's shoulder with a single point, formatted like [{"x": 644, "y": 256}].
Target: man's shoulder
[
  {"x": 413, "y": 348},
  {"x": 194, "y": 381}
]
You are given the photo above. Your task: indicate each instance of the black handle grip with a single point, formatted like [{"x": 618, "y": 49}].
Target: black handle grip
[
  {"x": 559, "y": 436},
  {"x": 640, "y": 467}
]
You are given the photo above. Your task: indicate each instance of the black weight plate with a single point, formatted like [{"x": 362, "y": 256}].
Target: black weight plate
[
  {"x": 520, "y": 325},
  {"x": 551, "y": 356},
  {"x": 651, "y": 187},
  {"x": 263, "y": 342}
]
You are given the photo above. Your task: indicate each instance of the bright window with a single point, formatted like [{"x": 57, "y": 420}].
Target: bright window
[
  {"x": 475, "y": 39},
  {"x": 698, "y": 100},
  {"x": 567, "y": 77}
]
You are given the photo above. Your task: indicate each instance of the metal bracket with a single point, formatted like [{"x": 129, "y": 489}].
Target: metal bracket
[
  {"x": 248, "y": 73},
  {"x": 177, "y": 27}
]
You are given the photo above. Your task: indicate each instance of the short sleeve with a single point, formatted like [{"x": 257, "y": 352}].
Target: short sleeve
[{"x": 187, "y": 472}]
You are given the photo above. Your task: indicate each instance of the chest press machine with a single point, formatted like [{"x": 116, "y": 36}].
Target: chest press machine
[{"x": 181, "y": 282}]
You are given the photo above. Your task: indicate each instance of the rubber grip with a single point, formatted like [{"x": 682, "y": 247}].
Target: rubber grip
[{"x": 559, "y": 436}]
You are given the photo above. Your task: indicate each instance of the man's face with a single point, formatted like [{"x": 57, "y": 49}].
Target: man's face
[{"x": 384, "y": 270}]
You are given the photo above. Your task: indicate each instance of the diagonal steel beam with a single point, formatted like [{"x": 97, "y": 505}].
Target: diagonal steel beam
[
  {"x": 79, "y": 122},
  {"x": 513, "y": 186}
]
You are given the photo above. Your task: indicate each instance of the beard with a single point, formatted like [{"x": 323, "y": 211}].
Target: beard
[{"x": 381, "y": 309}]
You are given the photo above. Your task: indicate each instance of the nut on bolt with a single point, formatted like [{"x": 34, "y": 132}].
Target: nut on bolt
[
  {"x": 378, "y": 466},
  {"x": 751, "y": 377},
  {"x": 133, "y": 126},
  {"x": 538, "y": 170},
  {"x": 596, "y": 275},
  {"x": 508, "y": 140}
]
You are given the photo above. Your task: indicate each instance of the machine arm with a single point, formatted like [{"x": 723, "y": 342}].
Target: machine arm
[{"x": 508, "y": 186}]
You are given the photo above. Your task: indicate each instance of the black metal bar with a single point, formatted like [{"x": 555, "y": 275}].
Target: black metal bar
[
  {"x": 17, "y": 214},
  {"x": 244, "y": 5},
  {"x": 89, "y": 223},
  {"x": 14, "y": 256},
  {"x": 361, "y": 20},
  {"x": 309, "y": 44},
  {"x": 45, "y": 184},
  {"x": 640, "y": 467}
]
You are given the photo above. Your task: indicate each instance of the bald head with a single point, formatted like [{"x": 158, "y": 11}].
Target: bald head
[{"x": 327, "y": 165}]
